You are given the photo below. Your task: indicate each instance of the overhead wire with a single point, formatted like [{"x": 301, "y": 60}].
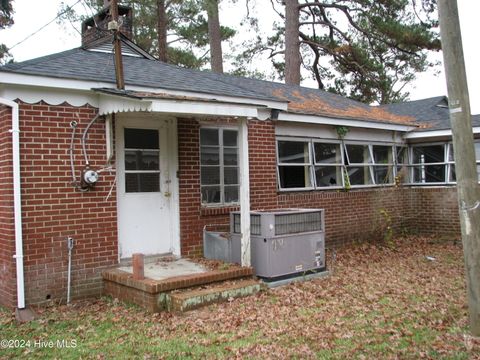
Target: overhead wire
[{"x": 44, "y": 26}]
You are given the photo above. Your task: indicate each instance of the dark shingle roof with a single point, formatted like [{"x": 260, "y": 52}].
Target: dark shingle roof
[
  {"x": 431, "y": 113},
  {"x": 81, "y": 64}
]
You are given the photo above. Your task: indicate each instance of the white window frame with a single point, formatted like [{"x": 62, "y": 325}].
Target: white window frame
[
  {"x": 341, "y": 164},
  {"x": 221, "y": 166},
  {"x": 140, "y": 172},
  {"x": 309, "y": 164},
  {"x": 372, "y": 164},
  {"x": 312, "y": 164},
  {"x": 413, "y": 165}
]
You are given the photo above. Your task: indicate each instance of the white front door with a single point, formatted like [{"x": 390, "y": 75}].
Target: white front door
[{"x": 147, "y": 215}]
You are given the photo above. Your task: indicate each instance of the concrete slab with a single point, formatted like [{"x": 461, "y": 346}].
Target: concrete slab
[
  {"x": 195, "y": 298},
  {"x": 274, "y": 284},
  {"x": 161, "y": 269},
  {"x": 24, "y": 315}
]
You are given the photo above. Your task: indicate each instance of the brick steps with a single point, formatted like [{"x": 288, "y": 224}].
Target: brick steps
[
  {"x": 180, "y": 293},
  {"x": 194, "y": 298}
]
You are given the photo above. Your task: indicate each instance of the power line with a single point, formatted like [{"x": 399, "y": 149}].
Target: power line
[{"x": 44, "y": 26}]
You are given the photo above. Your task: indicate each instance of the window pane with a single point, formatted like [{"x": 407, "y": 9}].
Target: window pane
[
  {"x": 210, "y": 175},
  {"x": 231, "y": 194},
  {"x": 382, "y": 154},
  {"x": 358, "y": 154},
  {"x": 230, "y": 156},
  {"x": 429, "y": 173},
  {"x": 229, "y": 138},
  {"x": 402, "y": 154},
  {"x": 428, "y": 154},
  {"x": 450, "y": 152},
  {"x": 359, "y": 175},
  {"x": 210, "y": 155},
  {"x": 142, "y": 182},
  {"x": 230, "y": 175},
  {"x": 328, "y": 176},
  {"x": 141, "y": 160},
  {"x": 209, "y": 137},
  {"x": 294, "y": 176},
  {"x": 141, "y": 139},
  {"x": 383, "y": 174},
  {"x": 453, "y": 176},
  {"x": 210, "y": 194},
  {"x": 327, "y": 153},
  {"x": 477, "y": 151},
  {"x": 293, "y": 152}
]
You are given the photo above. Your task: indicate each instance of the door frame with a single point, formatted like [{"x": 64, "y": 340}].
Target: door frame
[{"x": 135, "y": 119}]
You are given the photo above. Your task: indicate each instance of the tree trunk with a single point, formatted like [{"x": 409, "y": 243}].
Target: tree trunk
[
  {"x": 162, "y": 30},
  {"x": 292, "y": 43},
  {"x": 216, "y": 58}
]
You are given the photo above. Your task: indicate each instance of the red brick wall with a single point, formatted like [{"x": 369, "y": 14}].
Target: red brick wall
[
  {"x": 433, "y": 210},
  {"x": 53, "y": 210},
  {"x": 7, "y": 229},
  {"x": 355, "y": 215},
  {"x": 193, "y": 217}
]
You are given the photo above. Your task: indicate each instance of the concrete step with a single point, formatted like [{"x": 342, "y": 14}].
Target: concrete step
[{"x": 190, "y": 299}]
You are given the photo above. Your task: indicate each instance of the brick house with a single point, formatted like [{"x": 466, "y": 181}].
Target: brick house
[{"x": 146, "y": 168}]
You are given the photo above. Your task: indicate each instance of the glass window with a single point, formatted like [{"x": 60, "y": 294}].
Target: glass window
[
  {"x": 142, "y": 160},
  {"x": 428, "y": 164},
  {"x": 383, "y": 164},
  {"x": 328, "y": 164},
  {"x": 294, "y": 164},
  {"x": 356, "y": 155},
  {"x": 219, "y": 173},
  {"x": 293, "y": 152}
]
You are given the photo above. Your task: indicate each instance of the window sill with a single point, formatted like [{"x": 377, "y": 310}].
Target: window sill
[{"x": 218, "y": 210}]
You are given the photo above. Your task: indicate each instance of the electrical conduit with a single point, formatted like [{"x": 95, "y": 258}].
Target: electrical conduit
[{"x": 17, "y": 202}]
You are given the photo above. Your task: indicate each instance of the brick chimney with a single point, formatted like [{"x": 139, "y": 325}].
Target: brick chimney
[{"x": 95, "y": 29}]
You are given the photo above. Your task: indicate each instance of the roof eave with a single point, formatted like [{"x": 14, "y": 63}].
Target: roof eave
[{"x": 324, "y": 120}]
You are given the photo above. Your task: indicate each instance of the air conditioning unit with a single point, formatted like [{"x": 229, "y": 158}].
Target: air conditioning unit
[{"x": 284, "y": 243}]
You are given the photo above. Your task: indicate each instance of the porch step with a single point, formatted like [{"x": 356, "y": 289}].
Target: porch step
[{"x": 194, "y": 298}]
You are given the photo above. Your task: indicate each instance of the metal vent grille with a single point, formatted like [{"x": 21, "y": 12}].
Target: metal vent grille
[
  {"x": 255, "y": 224},
  {"x": 108, "y": 48},
  {"x": 298, "y": 222}
]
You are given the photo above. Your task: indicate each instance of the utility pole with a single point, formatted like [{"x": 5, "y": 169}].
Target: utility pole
[
  {"x": 113, "y": 25},
  {"x": 464, "y": 151}
]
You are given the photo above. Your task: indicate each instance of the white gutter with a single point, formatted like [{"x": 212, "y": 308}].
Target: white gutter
[
  {"x": 17, "y": 203},
  {"x": 315, "y": 119},
  {"x": 434, "y": 133}
]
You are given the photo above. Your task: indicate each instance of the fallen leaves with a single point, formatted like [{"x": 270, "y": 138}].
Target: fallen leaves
[{"x": 380, "y": 302}]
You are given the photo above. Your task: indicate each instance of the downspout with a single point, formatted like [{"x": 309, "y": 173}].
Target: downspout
[{"x": 17, "y": 203}]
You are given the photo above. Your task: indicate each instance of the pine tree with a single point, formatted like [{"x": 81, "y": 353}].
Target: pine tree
[
  {"x": 364, "y": 49},
  {"x": 6, "y": 20}
]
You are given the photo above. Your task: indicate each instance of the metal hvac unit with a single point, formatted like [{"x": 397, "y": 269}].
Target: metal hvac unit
[{"x": 284, "y": 243}]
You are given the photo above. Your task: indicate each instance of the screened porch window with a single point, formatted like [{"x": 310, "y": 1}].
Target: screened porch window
[
  {"x": 142, "y": 160},
  {"x": 219, "y": 171}
]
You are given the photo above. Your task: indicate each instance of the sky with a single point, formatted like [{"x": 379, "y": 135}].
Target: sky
[{"x": 30, "y": 16}]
